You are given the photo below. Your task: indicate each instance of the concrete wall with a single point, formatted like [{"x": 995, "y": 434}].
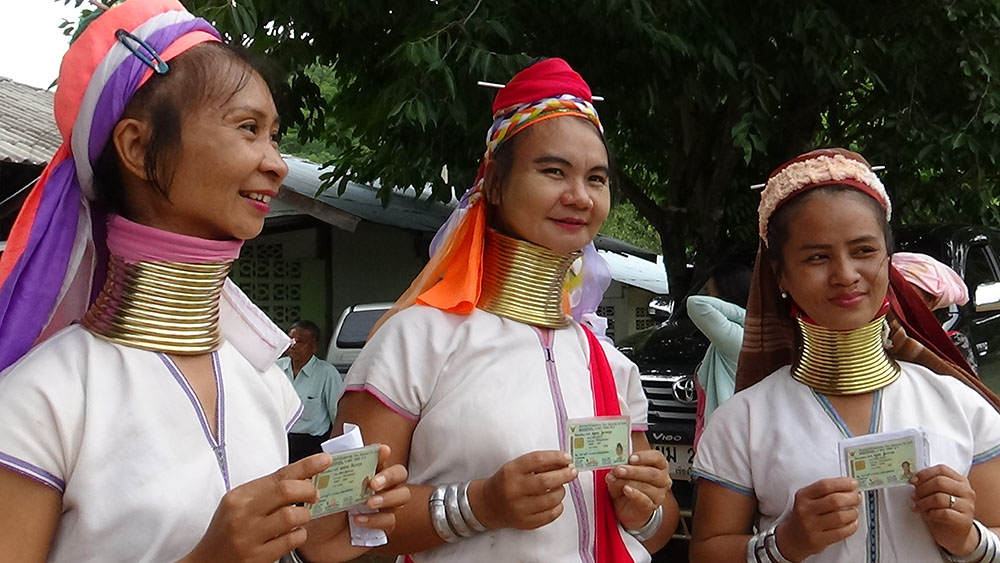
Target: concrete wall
[
  {"x": 375, "y": 263},
  {"x": 284, "y": 275},
  {"x": 626, "y": 308},
  {"x": 315, "y": 271}
]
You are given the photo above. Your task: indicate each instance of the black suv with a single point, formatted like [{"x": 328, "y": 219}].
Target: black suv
[
  {"x": 668, "y": 356},
  {"x": 973, "y": 252}
]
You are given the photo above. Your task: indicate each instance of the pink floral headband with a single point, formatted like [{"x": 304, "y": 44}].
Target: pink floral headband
[{"x": 821, "y": 168}]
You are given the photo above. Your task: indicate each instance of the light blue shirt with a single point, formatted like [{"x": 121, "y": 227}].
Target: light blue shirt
[
  {"x": 722, "y": 323},
  {"x": 319, "y": 386}
]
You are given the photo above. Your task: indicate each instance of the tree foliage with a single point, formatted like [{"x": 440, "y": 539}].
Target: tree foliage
[{"x": 703, "y": 97}]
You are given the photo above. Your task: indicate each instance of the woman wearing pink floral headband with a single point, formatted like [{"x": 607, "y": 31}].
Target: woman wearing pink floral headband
[
  {"x": 144, "y": 418},
  {"x": 837, "y": 345}
]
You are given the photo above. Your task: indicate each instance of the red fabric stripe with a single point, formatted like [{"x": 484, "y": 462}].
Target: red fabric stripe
[
  {"x": 545, "y": 79},
  {"x": 609, "y": 547}
]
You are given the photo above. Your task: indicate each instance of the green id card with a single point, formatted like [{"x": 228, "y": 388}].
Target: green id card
[
  {"x": 599, "y": 442},
  {"x": 885, "y": 459},
  {"x": 345, "y": 483}
]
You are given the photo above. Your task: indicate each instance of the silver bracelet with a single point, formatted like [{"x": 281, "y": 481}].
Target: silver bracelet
[
  {"x": 986, "y": 551},
  {"x": 439, "y": 518},
  {"x": 292, "y": 557},
  {"x": 466, "y": 509},
  {"x": 763, "y": 548},
  {"x": 454, "y": 513},
  {"x": 650, "y": 528}
]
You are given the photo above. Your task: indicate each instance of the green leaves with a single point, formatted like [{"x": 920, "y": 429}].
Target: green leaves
[{"x": 703, "y": 97}]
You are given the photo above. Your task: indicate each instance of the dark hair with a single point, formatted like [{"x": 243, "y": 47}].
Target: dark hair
[
  {"x": 732, "y": 282},
  {"x": 777, "y": 225},
  {"x": 207, "y": 73},
  {"x": 308, "y": 325}
]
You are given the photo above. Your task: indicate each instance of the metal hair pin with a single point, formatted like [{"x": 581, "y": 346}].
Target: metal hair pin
[
  {"x": 143, "y": 51},
  {"x": 878, "y": 168},
  {"x": 501, "y": 86}
]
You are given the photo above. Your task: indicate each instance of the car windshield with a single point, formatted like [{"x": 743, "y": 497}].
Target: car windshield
[
  {"x": 923, "y": 241},
  {"x": 357, "y": 325}
]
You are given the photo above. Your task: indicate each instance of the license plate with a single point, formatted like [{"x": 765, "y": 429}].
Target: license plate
[{"x": 681, "y": 458}]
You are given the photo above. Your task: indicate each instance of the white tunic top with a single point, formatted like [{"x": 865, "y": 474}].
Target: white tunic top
[
  {"x": 120, "y": 433},
  {"x": 482, "y": 393},
  {"x": 779, "y": 436}
]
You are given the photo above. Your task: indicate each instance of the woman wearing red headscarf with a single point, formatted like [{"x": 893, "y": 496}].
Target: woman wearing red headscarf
[
  {"x": 838, "y": 346},
  {"x": 482, "y": 363}
]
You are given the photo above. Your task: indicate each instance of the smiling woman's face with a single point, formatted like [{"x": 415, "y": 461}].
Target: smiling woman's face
[
  {"x": 556, "y": 194},
  {"x": 196, "y": 152},
  {"x": 228, "y": 168},
  {"x": 835, "y": 260}
]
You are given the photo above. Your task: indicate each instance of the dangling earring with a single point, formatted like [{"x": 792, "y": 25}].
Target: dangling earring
[{"x": 886, "y": 330}]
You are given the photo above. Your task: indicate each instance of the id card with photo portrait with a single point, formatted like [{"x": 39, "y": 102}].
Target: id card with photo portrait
[
  {"x": 886, "y": 459},
  {"x": 344, "y": 484},
  {"x": 599, "y": 442}
]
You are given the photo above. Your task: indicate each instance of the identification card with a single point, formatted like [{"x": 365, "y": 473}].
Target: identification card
[
  {"x": 599, "y": 442},
  {"x": 344, "y": 484},
  {"x": 886, "y": 459}
]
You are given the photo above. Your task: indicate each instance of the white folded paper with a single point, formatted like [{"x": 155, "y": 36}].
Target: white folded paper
[{"x": 360, "y": 536}]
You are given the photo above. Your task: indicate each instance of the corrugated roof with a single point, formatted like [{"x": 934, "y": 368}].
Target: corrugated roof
[
  {"x": 28, "y": 132},
  {"x": 405, "y": 210},
  {"x": 629, "y": 264}
]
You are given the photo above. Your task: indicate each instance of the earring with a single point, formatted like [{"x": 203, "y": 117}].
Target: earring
[
  {"x": 784, "y": 294},
  {"x": 886, "y": 332}
]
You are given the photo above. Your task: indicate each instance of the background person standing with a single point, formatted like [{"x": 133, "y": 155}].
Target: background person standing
[
  {"x": 719, "y": 315},
  {"x": 319, "y": 386}
]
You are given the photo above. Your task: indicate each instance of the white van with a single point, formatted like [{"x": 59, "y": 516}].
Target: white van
[{"x": 351, "y": 333}]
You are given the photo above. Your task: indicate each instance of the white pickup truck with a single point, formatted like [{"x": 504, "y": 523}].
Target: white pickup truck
[{"x": 351, "y": 333}]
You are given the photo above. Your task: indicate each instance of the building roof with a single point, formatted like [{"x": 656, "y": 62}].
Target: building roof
[
  {"x": 406, "y": 209},
  {"x": 28, "y": 132},
  {"x": 629, "y": 264},
  {"x": 636, "y": 271}
]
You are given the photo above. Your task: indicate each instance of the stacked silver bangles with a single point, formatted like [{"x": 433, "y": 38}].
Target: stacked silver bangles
[
  {"x": 987, "y": 550},
  {"x": 451, "y": 513},
  {"x": 763, "y": 548},
  {"x": 650, "y": 528}
]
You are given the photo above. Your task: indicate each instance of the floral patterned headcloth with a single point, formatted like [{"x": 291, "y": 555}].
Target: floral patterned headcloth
[
  {"x": 823, "y": 167},
  {"x": 47, "y": 269}
]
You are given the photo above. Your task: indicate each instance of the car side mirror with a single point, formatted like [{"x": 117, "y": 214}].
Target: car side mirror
[
  {"x": 660, "y": 308},
  {"x": 987, "y": 297}
]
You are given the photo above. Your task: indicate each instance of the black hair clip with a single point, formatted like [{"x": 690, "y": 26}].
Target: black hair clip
[{"x": 149, "y": 56}]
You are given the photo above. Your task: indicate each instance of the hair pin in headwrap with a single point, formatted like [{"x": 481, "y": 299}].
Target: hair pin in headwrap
[
  {"x": 150, "y": 57},
  {"x": 760, "y": 186},
  {"x": 501, "y": 86},
  {"x": 821, "y": 167}
]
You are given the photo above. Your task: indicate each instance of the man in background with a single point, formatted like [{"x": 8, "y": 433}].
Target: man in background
[{"x": 319, "y": 386}]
